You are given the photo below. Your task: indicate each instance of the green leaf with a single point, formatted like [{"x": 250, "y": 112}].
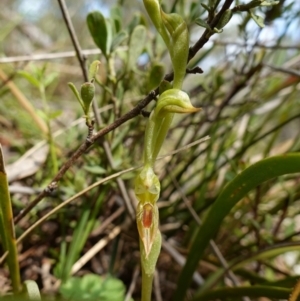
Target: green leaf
[
  {"x": 194, "y": 10},
  {"x": 257, "y": 19},
  {"x": 30, "y": 78},
  {"x": 50, "y": 79},
  {"x": 234, "y": 191},
  {"x": 238, "y": 263},
  {"x": 118, "y": 40},
  {"x": 87, "y": 93},
  {"x": 93, "y": 70},
  {"x": 239, "y": 292},
  {"x": 116, "y": 16},
  {"x": 202, "y": 23},
  {"x": 138, "y": 19},
  {"x": 205, "y": 7},
  {"x": 98, "y": 29},
  {"x": 55, "y": 114},
  {"x": 136, "y": 45},
  {"x": 224, "y": 19},
  {"x": 76, "y": 93},
  {"x": 156, "y": 75},
  {"x": 95, "y": 169},
  {"x": 7, "y": 230},
  {"x": 92, "y": 287}
]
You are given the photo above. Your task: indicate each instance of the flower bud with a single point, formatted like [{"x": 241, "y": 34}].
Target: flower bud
[
  {"x": 87, "y": 93},
  {"x": 174, "y": 101},
  {"x": 93, "y": 70}
]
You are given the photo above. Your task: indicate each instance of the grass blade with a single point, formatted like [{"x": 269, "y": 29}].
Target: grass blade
[
  {"x": 248, "y": 179},
  {"x": 7, "y": 228}
]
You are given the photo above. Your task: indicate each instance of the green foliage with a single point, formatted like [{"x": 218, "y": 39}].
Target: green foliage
[
  {"x": 7, "y": 229},
  {"x": 136, "y": 45},
  {"x": 93, "y": 287},
  {"x": 98, "y": 29},
  {"x": 236, "y": 189}
]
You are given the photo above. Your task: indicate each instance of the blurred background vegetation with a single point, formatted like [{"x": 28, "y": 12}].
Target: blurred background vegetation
[{"x": 250, "y": 95}]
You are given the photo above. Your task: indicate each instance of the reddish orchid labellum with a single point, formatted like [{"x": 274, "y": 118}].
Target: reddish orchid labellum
[{"x": 147, "y": 215}]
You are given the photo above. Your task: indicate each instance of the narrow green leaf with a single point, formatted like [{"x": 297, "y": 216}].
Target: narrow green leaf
[
  {"x": 76, "y": 93},
  {"x": 202, "y": 23},
  {"x": 205, "y": 7},
  {"x": 156, "y": 75},
  {"x": 94, "y": 66},
  {"x": 87, "y": 93},
  {"x": 116, "y": 16},
  {"x": 118, "y": 40},
  {"x": 235, "y": 190},
  {"x": 98, "y": 29},
  {"x": 55, "y": 114},
  {"x": 239, "y": 292},
  {"x": 238, "y": 263},
  {"x": 7, "y": 227},
  {"x": 30, "y": 78},
  {"x": 48, "y": 80},
  {"x": 224, "y": 19},
  {"x": 136, "y": 45},
  {"x": 257, "y": 19},
  {"x": 95, "y": 169}
]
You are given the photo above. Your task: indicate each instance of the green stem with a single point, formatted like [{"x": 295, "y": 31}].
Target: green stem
[
  {"x": 147, "y": 281},
  {"x": 8, "y": 231}
]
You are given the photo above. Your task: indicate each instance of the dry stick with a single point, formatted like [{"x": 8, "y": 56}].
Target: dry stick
[
  {"x": 131, "y": 114},
  {"x": 166, "y": 245},
  {"x": 81, "y": 59},
  {"x": 97, "y": 248},
  {"x": 284, "y": 70},
  {"x": 133, "y": 283},
  {"x": 212, "y": 244},
  {"x": 73, "y": 36},
  {"x": 256, "y": 45},
  {"x": 46, "y": 56}
]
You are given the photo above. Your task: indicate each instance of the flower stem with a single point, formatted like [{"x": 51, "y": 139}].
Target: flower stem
[{"x": 147, "y": 281}]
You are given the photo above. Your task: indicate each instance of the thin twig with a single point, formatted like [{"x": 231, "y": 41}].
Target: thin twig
[
  {"x": 284, "y": 70},
  {"x": 207, "y": 33},
  {"x": 81, "y": 59},
  {"x": 255, "y": 45},
  {"x": 83, "y": 148},
  {"x": 133, "y": 283},
  {"x": 167, "y": 246},
  {"x": 73, "y": 36},
  {"x": 46, "y": 56}
]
